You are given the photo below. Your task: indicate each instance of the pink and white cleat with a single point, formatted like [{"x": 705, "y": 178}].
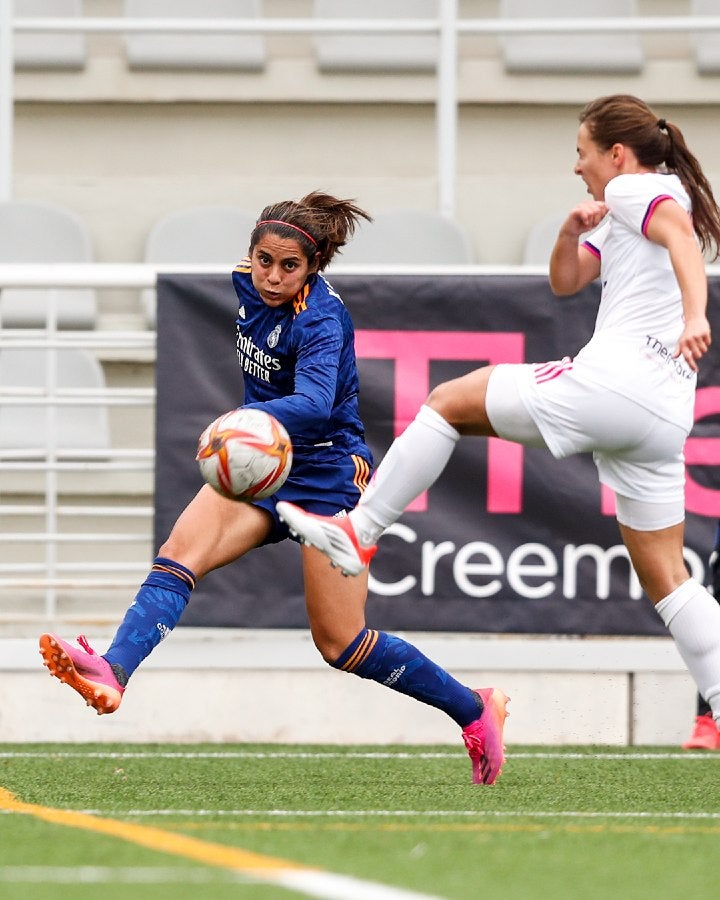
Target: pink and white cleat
[
  {"x": 84, "y": 670},
  {"x": 484, "y": 737},
  {"x": 332, "y": 535}
]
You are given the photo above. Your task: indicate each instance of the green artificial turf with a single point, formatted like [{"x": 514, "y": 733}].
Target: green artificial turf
[{"x": 591, "y": 822}]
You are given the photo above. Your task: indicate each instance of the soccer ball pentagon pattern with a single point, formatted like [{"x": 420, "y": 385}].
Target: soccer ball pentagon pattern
[{"x": 245, "y": 454}]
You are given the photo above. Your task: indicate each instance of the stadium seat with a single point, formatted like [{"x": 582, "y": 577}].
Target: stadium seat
[
  {"x": 541, "y": 239},
  {"x": 568, "y": 53},
  {"x": 200, "y": 234},
  {"x": 32, "y": 232},
  {"x": 49, "y": 50},
  {"x": 706, "y": 44},
  {"x": 157, "y": 50},
  {"x": 408, "y": 237},
  {"x": 376, "y": 52},
  {"x": 25, "y": 426}
]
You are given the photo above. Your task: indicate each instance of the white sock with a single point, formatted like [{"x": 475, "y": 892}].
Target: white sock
[
  {"x": 413, "y": 462},
  {"x": 693, "y": 619}
]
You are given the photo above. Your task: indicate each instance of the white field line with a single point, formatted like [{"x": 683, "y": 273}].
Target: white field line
[
  {"x": 304, "y": 754},
  {"x": 324, "y": 885},
  {"x": 393, "y": 814},
  {"x": 109, "y": 875}
]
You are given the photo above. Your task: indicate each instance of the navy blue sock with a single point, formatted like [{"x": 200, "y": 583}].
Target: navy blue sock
[
  {"x": 391, "y": 661},
  {"x": 153, "y": 614}
]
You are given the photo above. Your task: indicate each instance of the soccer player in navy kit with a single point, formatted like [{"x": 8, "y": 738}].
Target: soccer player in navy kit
[{"x": 295, "y": 345}]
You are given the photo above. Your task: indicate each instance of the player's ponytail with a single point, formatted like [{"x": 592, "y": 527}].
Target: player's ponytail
[
  {"x": 706, "y": 216},
  {"x": 624, "y": 119},
  {"x": 319, "y": 222}
]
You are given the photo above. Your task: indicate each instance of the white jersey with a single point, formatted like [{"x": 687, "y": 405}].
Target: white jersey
[{"x": 640, "y": 318}]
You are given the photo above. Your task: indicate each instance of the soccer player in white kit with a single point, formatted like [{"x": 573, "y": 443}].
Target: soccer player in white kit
[{"x": 627, "y": 396}]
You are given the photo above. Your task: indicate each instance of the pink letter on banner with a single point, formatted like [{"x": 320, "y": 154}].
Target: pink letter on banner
[
  {"x": 607, "y": 500},
  {"x": 412, "y": 352}
]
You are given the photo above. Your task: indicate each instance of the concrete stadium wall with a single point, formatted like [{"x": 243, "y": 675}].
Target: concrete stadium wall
[{"x": 224, "y": 686}]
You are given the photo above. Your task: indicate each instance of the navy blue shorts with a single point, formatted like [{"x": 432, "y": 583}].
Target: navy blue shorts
[{"x": 319, "y": 485}]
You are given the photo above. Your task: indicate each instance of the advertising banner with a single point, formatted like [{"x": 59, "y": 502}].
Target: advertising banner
[{"x": 508, "y": 539}]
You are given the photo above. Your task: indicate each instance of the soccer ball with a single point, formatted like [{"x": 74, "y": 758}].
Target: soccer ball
[{"x": 245, "y": 454}]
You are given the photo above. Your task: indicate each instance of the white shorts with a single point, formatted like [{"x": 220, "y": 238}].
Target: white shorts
[{"x": 637, "y": 454}]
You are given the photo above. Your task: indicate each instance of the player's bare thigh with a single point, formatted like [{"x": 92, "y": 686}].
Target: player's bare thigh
[
  {"x": 461, "y": 402},
  {"x": 212, "y": 531},
  {"x": 335, "y": 604}
]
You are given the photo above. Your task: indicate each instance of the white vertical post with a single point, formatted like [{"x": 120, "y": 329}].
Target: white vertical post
[
  {"x": 6, "y": 99},
  {"x": 446, "y": 110},
  {"x": 52, "y": 379}
]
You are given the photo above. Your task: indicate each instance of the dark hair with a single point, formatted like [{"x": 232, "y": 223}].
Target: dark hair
[
  {"x": 319, "y": 223},
  {"x": 623, "y": 119}
]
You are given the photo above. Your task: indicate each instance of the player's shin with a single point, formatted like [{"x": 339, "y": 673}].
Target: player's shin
[
  {"x": 153, "y": 614},
  {"x": 395, "y": 663},
  {"x": 693, "y": 619}
]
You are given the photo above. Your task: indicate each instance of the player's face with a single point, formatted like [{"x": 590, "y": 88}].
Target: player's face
[
  {"x": 594, "y": 166},
  {"x": 279, "y": 269}
]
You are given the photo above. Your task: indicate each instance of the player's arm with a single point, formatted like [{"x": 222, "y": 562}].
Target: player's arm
[
  {"x": 309, "y": 407},
  {"x": 671, "y": 227},
  {"x": 572, "y": 266}
]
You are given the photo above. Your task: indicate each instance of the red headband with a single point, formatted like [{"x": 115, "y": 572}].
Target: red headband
[{"x": 289, "y": 225}]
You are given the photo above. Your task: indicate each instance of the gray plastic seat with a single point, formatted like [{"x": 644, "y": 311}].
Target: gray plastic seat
[
  {"x": 707, "y": 43},
  {"x": 570, "y": 53},
  {"x": 540, "y": 240},
  {"x": 199, "y": 234},
  {"x": 49, "y": 50},
  {"x": 157, "y": 50},
  {"x": 25, "y": 426},
  {"x": 32, "y": 232},
  {"x": 376, "y": 52},
  {"x": 408, "y": 237}
]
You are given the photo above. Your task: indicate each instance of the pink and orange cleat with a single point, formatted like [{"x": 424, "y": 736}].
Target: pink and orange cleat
[
  {"x": 84, "y": 670},
  {"x": 484, "y": 737}
]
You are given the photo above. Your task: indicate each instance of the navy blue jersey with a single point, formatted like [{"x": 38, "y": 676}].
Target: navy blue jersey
[{"x": 298, "y": 363}]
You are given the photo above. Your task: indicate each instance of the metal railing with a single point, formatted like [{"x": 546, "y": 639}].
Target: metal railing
[{"x": 33, "y": 479}]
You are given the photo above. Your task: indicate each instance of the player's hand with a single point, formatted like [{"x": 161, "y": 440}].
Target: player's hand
[
  {"x": 584, "y": 216},
  {"x": 694, "y": 341}
]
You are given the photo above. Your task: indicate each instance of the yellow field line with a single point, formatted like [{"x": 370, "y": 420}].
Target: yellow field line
[
  {"x": 304, "y": 879},
  {"x": 153, "y": 838}
]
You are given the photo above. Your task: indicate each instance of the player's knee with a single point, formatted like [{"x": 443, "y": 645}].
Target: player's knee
[
  {"x": 181, "y": 551},
  {"x": 329, "y": 657},
  {"x": 327, "y": 647},
  {"x": 168, "y": 549},
  {"x": 331, "y": 646},
  {"x": 442, "y": 401},
  {"x": 174, "y": 547}
]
